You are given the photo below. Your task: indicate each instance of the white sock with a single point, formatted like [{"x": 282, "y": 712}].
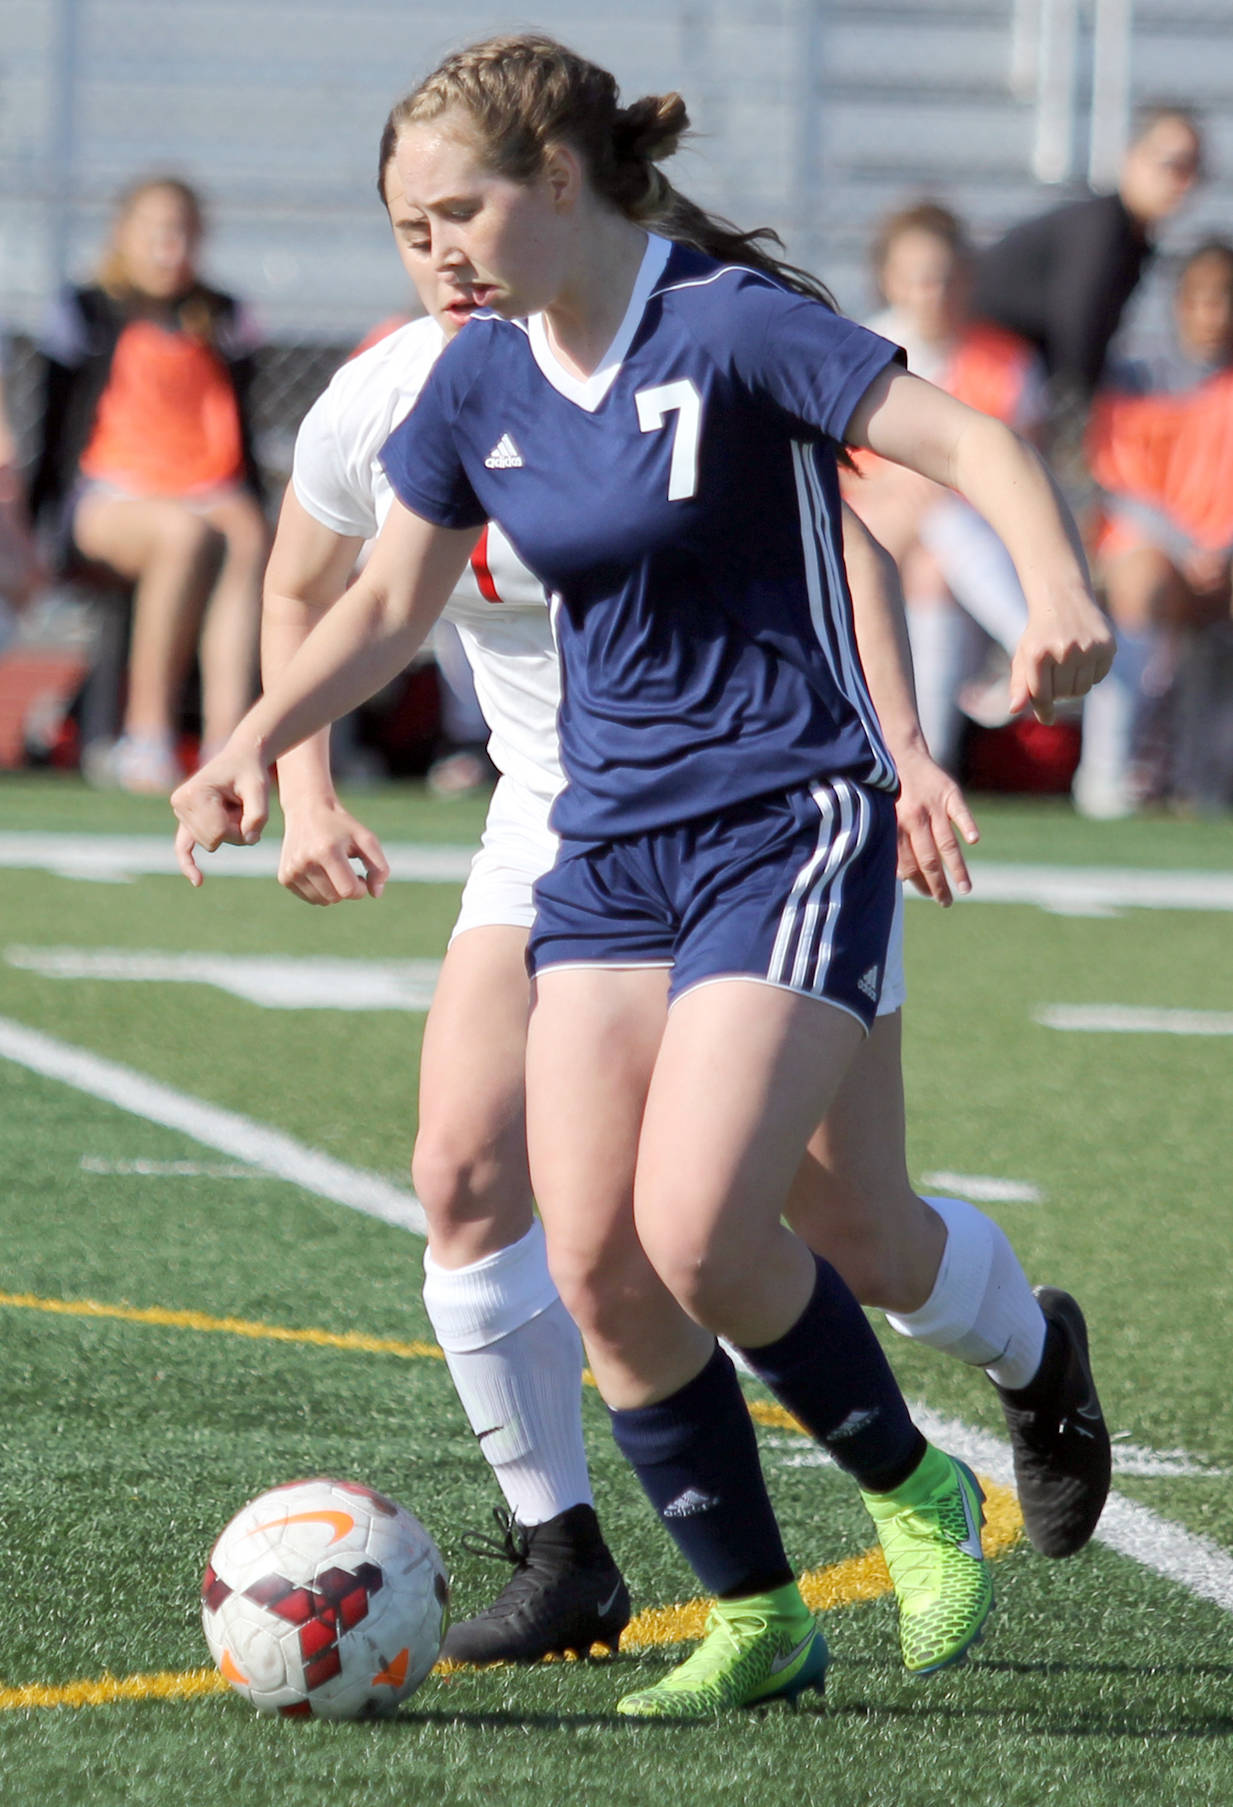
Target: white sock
[
  {"x": 1110, "y": 713},
  {"x": 937, "y": 633},
  {"x": 978, "y": 569},
  {"x": 981, "y": 1309},
  {"x": 515, "y": 1358}
]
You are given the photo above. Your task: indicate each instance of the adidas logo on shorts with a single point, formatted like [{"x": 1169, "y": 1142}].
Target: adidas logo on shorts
[
  {"x": 504, "y": 456},
  {"x": 868, "y": 983}
]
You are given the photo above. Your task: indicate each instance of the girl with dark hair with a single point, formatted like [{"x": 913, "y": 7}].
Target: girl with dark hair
[{"x": 655, "y": 430}]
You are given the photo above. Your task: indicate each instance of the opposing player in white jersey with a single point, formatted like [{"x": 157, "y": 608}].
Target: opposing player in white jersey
[
  {"x": 513, "y": 1352},
  {"x": 746, "y": 1657}
]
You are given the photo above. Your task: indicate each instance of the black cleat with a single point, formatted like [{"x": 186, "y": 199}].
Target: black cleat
[
  {"x": 1063, "y": 1463},
  {"x": 565, "y": 1594}
]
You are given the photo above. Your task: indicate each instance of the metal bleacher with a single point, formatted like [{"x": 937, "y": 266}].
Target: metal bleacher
[{"x": 812, "y": 115}]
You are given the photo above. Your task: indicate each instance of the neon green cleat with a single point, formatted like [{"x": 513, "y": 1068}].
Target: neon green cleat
[
  {"x": 929, "y": 1529},
  {"x": 762, "y": 1648}
]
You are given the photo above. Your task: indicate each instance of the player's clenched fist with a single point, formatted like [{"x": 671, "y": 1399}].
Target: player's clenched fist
[{"x": 1065, "y": 650}]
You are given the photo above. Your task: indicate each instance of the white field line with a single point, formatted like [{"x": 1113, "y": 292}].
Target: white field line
[
  {"x": 1096, "y": 890},
  {"x": 984, "y": 1188},
  {"x": 1155, "y": 1464},
  {"x": 228, "y": 1132},
  {"x": 1065, "y": 890},
  {"x": 1195, "y": 1563},
  {"x": 273, "y": 981},
  {"x": 118, "y": 859},
  {"x": 1129, "y": 1459},
  {"x": 1132, "y": 1019},
  {"x": 170, "y": 1170},
  {"x": 1132, "y": 1530}
]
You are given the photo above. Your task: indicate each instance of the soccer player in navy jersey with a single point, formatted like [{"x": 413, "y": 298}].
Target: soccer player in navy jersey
[{"x": 653, "y": 424}]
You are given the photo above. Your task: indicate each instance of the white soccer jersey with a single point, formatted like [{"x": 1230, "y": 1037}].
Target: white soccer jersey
[{"x": 499, "y": 607}]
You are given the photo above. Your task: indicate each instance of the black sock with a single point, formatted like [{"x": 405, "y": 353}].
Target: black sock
[
  {"x": 696, "y": 1456},
  {"x": 830, "y": 1372}
]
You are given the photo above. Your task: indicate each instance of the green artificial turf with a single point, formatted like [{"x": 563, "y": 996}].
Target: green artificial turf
[{"x": 125, "y": 1446}]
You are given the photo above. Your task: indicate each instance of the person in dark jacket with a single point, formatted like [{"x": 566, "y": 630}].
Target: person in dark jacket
[
  {"x": 1061, "y": 280},
  {"x": 146, "y": 466}
]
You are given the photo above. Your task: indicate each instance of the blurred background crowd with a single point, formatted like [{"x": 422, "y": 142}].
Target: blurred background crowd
[{"x": 1033, "y": 197}]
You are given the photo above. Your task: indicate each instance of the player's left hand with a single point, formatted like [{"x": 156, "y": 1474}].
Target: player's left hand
[
  {"x": 930, "y": 809},
  {"x": 228, "y": 799},
  {"x": 1066, "y": 647}
]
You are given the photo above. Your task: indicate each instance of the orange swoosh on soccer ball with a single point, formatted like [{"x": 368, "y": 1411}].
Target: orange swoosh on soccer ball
[
  {"x": 228, "y": 1666},
  {"x": 342, "y": 1522},
  {"x": 396, "y": 1674}
]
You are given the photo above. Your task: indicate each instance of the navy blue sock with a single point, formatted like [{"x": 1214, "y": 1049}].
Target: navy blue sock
[
  {"x": 830, "y": 1372},
  {"x": 697, "y": 1458}
]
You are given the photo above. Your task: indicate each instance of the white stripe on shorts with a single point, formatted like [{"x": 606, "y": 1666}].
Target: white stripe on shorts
[{"x": 806, "y": 934}]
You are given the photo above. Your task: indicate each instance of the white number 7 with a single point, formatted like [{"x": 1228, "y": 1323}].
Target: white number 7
[{"x": 681, "y": 398}]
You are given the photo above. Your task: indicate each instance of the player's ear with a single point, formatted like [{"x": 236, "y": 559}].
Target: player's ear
[{"x": 563, "y": 173}]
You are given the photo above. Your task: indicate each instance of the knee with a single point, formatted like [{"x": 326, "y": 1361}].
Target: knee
[
  {"x": 186, "y": 541},
  {"x": 246, "y": 539},
  {"x": 709, "y": 1279},
  {"x": 465, "y": 1183},
  {"x": 606, "y": 1290}
]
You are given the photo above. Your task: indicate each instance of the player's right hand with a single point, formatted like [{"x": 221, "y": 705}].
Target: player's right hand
[
  {"x": 227, "y": 799},
  {"x": 320, "y": 840},
  {"x": 931, "y": 807}
]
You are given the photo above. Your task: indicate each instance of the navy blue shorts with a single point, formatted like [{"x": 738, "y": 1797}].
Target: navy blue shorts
[{"x": 796, "y": 890}]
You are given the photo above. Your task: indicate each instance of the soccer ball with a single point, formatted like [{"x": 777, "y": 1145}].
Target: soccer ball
[{"x": 324, "y": 1599}]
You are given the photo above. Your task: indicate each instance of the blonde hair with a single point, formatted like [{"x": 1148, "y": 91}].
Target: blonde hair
[
  {"x": 525, "y": 93},
  {"x": 112, "y": 273}
]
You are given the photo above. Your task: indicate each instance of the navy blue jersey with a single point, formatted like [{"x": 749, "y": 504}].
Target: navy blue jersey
[{"x": 681, "y": 506}]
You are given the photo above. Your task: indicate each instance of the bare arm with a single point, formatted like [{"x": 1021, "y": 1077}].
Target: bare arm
[
  {"x": 364, "y": 640},
  {"x": 1067, "y": 646},
  {"x": 307, "y": 572},
  {"x": 930, "y": 800}
]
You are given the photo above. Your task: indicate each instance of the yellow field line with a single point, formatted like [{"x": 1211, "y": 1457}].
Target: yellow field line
[
  {"x": 110, "y": 1688},
  {"x": 842, "y": 1584},
  {"x": 200, "y": 1320},
  {"x": 846, "y": 1583}
]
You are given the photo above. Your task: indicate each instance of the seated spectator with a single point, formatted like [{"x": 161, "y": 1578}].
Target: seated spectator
[
  {"x": 1164, "y": 461},
  {"x": 1202, "y": 328},
  {"x": 953, "y": 565},
  {"x": 146, "y": 467}
]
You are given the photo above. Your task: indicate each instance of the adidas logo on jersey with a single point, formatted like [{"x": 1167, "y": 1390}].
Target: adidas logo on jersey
[
  {"x": 504, "y": 456},
  {"x": 868, "y": 983}
]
